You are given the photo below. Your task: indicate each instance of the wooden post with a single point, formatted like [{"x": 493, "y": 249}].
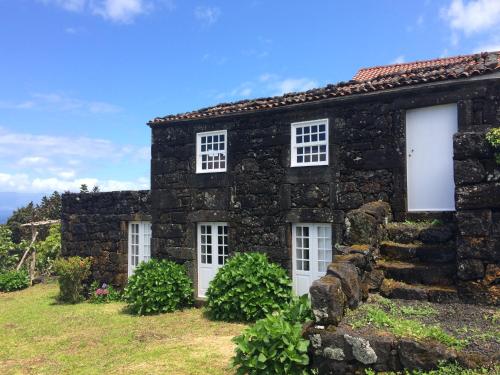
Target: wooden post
[{"x": 34, "y": 234}]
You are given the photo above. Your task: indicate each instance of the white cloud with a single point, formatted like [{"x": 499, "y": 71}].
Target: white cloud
[
  {"x": 42, "y": 163},
  {"x": 33, "y": 160},
  {"x": 119, "y": 10},
  {"x": 207, "y": 15},
  {"x": 69, "y": 5},
  {"x": 472, "y": 16},
  {"x": 267, "y": 84},
  {"x": 60, "y": 103},
  {"x": 494, "y": 47},
  {"x": 24, "y": 183},
  {"x": 293, "y": 85},
  {"x": 398, "y": 60}
]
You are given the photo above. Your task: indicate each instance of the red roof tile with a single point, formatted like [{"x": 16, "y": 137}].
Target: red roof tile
[{"x": 366, "y": 80}]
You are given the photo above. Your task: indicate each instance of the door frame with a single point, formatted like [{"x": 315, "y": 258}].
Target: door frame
[
  {"x": 215, "y": 252},
  {"x": 141, "y": 254},
  {"x": 313, "y": 255}
]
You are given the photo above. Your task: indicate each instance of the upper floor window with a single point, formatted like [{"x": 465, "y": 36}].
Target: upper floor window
[
  {"x": 310, "y": 143},
  {"x": 211, "y": 151}
]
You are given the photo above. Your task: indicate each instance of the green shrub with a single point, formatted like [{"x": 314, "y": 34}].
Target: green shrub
[
  {"x": 493, "y": 137},
  {"x": 9, "y": 251},
  {"x": 103, "y": 293},
  {"x": 72, "y": 272},
  {"x": 298, "y": 310},
  {"x": 158, "y": 286},
  {"x": 14, "y": 280},
  {"x": 48, "y": 250},
  {"x": 271, "y": 346},
  {"x": 247, "y": 288}
]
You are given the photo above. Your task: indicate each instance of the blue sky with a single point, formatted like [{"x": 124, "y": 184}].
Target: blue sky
[{"x": 80, "y": 78}]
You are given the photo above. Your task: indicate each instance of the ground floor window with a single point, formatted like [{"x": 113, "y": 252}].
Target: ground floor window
[
  {"x": 311, "y": 253},
  {"x": 139, "y": 244},
  {"x": 213, "y": 250}
]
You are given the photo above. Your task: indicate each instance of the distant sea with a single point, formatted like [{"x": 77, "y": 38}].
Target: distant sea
[{"x": 10, "y": 201}]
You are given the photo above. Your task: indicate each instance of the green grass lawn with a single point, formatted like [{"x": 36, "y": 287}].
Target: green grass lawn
[{"x": 38, "y": 336}]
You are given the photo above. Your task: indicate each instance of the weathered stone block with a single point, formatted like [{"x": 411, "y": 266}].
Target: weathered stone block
[
  {"x": 486, "y": 195},
  {"x": 423, "y": 356},
  {"x": 468, "y": 172},
  {"x": 328, "y": 301},
  {"x": 474, "y": 223},
  {"x": 470, "y": 269},
  {"x": 471, "y": 145},
  {"x": 349, "y": 279}
]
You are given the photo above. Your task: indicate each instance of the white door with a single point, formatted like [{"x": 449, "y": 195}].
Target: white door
[
  {"x": 139, "y": 244},
  {"x": 311, "y": 254},
  {"x": 212, "y": 252},
  {"x": 429, "y": 158}
]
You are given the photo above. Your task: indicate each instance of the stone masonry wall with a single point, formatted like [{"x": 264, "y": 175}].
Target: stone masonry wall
[
  {"x": 260, "y": 195},
  {"x": 96, "y": 225},
  {"x": 477, "y": 178}
]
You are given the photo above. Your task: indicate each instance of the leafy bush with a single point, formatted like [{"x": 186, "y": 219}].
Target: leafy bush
[
  {"x": 298, "y": 310},
  {"x": 9, "y": 251},
  {"x": 48, "y": 250},
  {"x": 72, "y": 272},
  {"x": 272, "y": 346},
  {"x": 14, "y": 280},
  {"x": 158, "y": 286},
  {"x": 103, "y": 293},
  {"x": 248, "y": 288},
  {"x": 493, "y": 137}
]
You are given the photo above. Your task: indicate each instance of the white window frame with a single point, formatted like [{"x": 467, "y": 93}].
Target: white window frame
[
  {"x": 200, "y": 153},
  {"x": 314, "y": 257},
  {"x": 210, "y": 269},
  {"x": 318, "y": 143},
  {"x": 139, "y": 244}
]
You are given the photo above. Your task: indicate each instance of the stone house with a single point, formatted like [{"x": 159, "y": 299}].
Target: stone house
[{"x": 280, "y": 174}]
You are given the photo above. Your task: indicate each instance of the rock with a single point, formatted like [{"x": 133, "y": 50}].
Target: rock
[
  {"x": 492, "y": 274},
  {"x": 358, "y": 260},
  {"x": 372, "y": 280},
  {"x": 365, "y": 224},
  {"x": 402, "y": 232},
  {"x": 468, "y": 171},
  {"x": 485, "y": 195},
  {"x": 327, "y": 300},
  {"x": 471, "y": 145},
  {"x": 349, "y": 279},
  {"x": 470, "y": 269},
  {"x": 336, "y": 354},
  {"x": 436, "y": 234},
  {"x": 361, "y": 349},
  {"x": 475, "y": 222},
  {"x": 315, "y": 340},
  {"x": 479, "y": 248},
  {"x": 423, "y": 355}
]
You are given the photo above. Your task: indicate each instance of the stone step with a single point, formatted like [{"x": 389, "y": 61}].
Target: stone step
[
  {"x": 432, "y": 253},
  {"x": 427, "y": 232},
  {"x": 399, "y": 290},
  {"x": 417, "y": 273}
]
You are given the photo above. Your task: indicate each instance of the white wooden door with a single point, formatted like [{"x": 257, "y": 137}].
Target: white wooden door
[
  {"x": 311, "y": 254},
  {"x": 429, "y": 158},
  {"x": 139, "y": 244},
  {"x": 212, "y": 252}
]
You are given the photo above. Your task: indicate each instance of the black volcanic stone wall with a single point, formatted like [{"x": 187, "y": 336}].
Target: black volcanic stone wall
[
  {"x": 260, "y": 195},
  {"x": 96, "y": 225},
  {"x": 477, "y": 178}
]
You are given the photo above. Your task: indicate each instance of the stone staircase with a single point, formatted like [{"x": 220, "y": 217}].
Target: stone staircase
[{"x": 418, "y": 261}]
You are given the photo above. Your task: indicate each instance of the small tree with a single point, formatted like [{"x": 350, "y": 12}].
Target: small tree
[
  {"x": 49, "y": 250},
  {"x": 72, "y": 272},
  {"x": 8, "y": 257}
]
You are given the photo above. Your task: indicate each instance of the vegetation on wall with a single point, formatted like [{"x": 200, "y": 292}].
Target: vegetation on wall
[
  {"x": 247, "y": 288},
  {"x": 158, "y": 286},
  {"x": 493, "y": 137}
]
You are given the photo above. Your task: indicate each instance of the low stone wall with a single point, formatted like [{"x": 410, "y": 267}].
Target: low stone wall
[
  {"x": 96, "y": 225},
  {"x": 342, "y": 350},
  {"x": 477, "y": 180}
]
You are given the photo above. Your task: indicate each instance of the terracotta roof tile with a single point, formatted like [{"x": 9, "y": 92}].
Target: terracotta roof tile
[{"x": 366, "y": 80}]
